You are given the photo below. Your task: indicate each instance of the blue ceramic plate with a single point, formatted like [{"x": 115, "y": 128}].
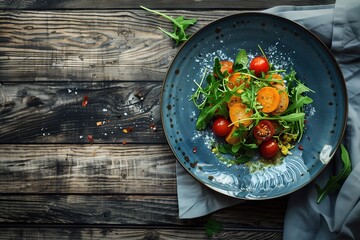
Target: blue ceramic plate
[{"x": 287, "y": 45}]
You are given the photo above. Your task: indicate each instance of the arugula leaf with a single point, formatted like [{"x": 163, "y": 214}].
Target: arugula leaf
[
  {"x": 334, "y": 183},
  {"x": 300, "y": 103},
  {"x": 204, "y": 117},
  {"x": 217, "y": 69},
  {"x": 208, "y": 112},
  {"x": 293, "y": 117},
  {"x": 180, "y": 25},
  {"x": 241, "y": 60}
]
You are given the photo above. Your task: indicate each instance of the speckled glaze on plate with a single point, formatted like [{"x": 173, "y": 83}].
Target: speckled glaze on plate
[{"x": 287, "y": 45}]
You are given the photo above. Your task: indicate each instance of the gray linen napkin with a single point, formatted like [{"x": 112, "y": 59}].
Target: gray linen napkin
[{"x": 338, "y": 216}]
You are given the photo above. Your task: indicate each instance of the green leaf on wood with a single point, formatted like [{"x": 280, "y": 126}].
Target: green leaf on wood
[{"x": 180, "y": 25}]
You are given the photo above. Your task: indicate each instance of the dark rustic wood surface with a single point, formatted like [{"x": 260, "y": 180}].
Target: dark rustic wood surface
[
  {"x": 54, "y": 184},
  {"x": 159, "y": 4}
]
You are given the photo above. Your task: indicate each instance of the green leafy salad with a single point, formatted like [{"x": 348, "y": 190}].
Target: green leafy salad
[{"x": 251, "y": 107}]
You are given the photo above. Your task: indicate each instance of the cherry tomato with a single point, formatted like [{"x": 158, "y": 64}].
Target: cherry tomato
[
  {"x": 221, "y": 127},
  {"x": 226, "y": 66},
  {"x": 264, "y": 130},
  {"x": 259, "y": 64},
  {"x": 269, "y": 148}
]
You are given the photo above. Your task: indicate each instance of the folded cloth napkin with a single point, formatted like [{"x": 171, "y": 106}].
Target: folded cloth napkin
[{"x": 338, "y": 216}]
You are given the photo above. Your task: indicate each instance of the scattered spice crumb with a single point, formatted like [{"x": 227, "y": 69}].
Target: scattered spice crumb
[
  {"x": 153, "y": 127},
  {"x": 85, "y": 101},
  {"x": 194, "y": 149},
  {"x": 128, "y": 129},
  {"x": 140, "y": 96},
  {"x": 300, "y": 147},
  {"x": 99, "y": 123},
  {"x": 90, "y": 138}
]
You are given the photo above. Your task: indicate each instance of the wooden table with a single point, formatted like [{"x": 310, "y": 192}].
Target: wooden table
[{"x": 73, "y": 172}]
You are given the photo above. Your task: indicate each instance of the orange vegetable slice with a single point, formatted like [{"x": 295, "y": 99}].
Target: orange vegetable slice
[
  {"x": 231, "y": 139},
  {"x": 226, "y": 66},
  {"x": 276, "y": 76},
  {"x": 283, "y": 104},
  {"x": 237, "y": 79},
  {"x": 233, "y": 100},
  {"x": 269, "y": 98},
  {"x": 239, "y": 111}
]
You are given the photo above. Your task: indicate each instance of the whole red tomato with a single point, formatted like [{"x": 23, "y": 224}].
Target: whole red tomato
[
  {"x": 259, "y": 64},
  {"x": 221, "y": 127},
  {"x": 269, "y": 148}
]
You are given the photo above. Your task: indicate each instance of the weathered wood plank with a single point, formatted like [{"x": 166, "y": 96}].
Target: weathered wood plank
[
  {"x": 131, "y": 210},
  {"x": 184, "y": 4},
  {"x": 52, "y": 112},
  {"x": 100, "y": 233},
  {"x": 88, "y": 45},
  {"x": 87, "y": 169}
]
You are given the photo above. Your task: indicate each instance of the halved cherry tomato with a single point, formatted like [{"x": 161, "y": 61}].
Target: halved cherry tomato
[
  {"x": 269, "y": 148},
  {"x": 264, "y": 130},
  {"x": 221, "y": 127},
  {"x": 259, "y": 64}
]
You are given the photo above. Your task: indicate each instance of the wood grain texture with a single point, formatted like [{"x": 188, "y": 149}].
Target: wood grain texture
[
  {"x": 106, "y": 185},
  {"x": 87, "y": 169},
  {"x": 101, "y": 233},
  {"x": 89, "y": 45},
  {"x": 136, "y": 210},
  {"x": 52, "y": 112},
  {"x": 54, "y": 184},
  {"x": 184, "y": 4}
]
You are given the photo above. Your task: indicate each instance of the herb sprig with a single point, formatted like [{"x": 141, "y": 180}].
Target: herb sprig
[
  {"x": 180, "y": 25},
  {"x": 334, "y": 183}
]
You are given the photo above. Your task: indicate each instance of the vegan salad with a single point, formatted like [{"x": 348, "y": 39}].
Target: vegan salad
[{"x": 251, "y": 107}]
